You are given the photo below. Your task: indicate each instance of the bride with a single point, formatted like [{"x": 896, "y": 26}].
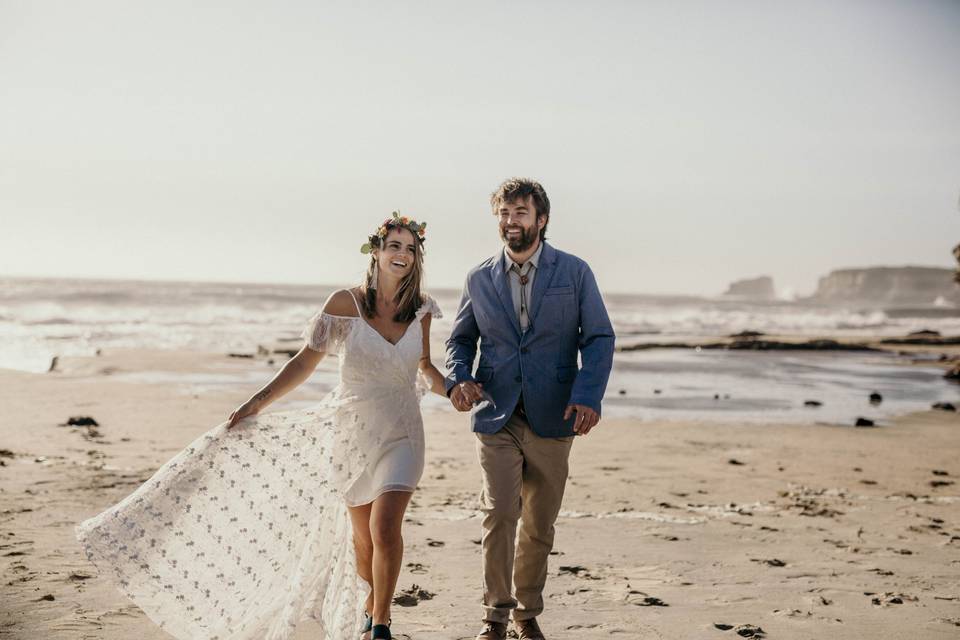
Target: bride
[{"x": 268, "y": 519}]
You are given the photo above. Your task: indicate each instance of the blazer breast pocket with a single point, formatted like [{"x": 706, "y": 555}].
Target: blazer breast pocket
[{"x": 566, "y": 290}]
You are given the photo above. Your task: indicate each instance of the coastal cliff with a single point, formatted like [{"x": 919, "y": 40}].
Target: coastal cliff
[{"x": 889, "y": 287}]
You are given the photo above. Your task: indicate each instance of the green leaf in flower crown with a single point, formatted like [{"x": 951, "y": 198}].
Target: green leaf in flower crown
[
  {"x": 365, "y": 248},
  {"x": 423, "y": 225},
  {"x": 396, "y": 215}
]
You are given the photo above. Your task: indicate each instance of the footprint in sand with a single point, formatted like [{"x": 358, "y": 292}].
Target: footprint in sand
[
  {"x": 412, "y": 597},
  {"x": 742, "y": 630},
  {"x": 955, "y": 622},
  {"x": 666, "y": 537},
  {"x": 641, "y": 599},
  {"x": 578, "y": 571},
  {"x": 888, "y": 598},
  {"x": 773, "y": 562},
  {"x": 78, "y": 576}
]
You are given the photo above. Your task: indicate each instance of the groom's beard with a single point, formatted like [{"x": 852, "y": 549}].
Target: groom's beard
[{"x": 523, "y": 241}]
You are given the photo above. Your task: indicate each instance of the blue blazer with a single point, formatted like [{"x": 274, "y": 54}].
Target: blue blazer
[{"x": 567, "y": 316}]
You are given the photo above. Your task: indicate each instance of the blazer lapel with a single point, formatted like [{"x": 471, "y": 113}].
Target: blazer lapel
[
  {"x": 502, "y": 285},
  {"x": 545, "y": 270}
]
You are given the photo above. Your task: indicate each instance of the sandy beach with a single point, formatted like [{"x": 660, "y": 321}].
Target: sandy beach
[
  {"x": 669, "y": 529},
  {"x": 752, "y": 205}
]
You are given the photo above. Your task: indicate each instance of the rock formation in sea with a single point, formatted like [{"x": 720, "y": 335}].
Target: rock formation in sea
[
  {"x": 956, "y": 254},
  {"x": 753, "y": 288},
  {"x": 889, "y": 287}
]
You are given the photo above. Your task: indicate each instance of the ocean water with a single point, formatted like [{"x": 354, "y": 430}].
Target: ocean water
[{"x": 41, "y": 318}]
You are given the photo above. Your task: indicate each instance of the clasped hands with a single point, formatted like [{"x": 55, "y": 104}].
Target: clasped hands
[{"x": 465, "y": 394}]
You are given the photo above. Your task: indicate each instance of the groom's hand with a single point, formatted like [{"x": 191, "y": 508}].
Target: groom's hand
[
  {"x": 465, "y": 394},
  {"x": 587, "y": 418}
]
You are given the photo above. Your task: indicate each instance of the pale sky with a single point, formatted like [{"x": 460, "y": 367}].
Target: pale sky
[{"x": 683, "y": 144}]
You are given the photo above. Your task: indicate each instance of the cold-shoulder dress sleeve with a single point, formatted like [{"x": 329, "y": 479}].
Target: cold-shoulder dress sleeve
[
  {"x": 429, "y": 306},
  {"x": 327, "y": 333}
]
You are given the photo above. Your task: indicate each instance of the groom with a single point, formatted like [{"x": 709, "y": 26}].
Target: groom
[{"x": 532, "y": 308}]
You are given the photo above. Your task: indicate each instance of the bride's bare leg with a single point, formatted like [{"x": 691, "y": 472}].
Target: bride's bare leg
[
  {"x": 363, "y": 544},
  {"x": 386, "y": 519}
]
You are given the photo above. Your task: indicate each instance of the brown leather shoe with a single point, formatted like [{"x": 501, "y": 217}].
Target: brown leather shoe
[
  {"x": 492, "y": 631},
  {"x": 528, "y": 629}
]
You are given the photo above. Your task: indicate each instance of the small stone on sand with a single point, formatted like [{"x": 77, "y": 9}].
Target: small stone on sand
[{"x": 80, "y": 421}]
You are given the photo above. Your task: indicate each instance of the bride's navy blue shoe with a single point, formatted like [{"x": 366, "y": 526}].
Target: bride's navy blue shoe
[{"x": 381, "y": 632}]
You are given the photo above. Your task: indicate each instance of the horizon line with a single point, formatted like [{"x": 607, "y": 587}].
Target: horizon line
[{"x": 160, "y": 280}]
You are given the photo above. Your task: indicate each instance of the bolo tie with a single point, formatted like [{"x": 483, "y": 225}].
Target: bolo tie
[{"x": 524, "y": 279}]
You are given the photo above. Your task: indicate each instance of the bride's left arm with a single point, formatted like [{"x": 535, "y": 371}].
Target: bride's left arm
[{"x": 429, "y": 371}]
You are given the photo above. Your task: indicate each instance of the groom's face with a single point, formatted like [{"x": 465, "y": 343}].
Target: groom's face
[{"x": 519, "y": 224}]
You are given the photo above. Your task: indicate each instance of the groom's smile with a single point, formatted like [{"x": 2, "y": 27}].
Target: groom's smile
[{"x": 519, "y": 226}]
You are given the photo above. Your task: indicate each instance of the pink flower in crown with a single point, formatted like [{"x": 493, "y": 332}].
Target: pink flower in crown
[{"x": 404, "y": 220}]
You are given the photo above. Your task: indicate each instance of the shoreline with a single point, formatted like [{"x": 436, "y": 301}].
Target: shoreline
[{"x": 712, "y": 385}]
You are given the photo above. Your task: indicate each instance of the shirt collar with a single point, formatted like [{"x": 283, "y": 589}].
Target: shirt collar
[{"x": 532, "y": 260}]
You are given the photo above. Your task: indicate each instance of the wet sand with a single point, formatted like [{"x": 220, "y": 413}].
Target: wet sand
[{"x": 669, "y": 529}]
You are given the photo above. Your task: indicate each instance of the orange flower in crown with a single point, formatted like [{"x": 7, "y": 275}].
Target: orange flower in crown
[{"x": 418, "y": 229}]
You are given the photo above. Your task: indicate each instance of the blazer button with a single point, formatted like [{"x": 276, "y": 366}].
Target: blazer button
[
  {"x": 524, "y": 350},
  {"x": 518, "y": 379}
]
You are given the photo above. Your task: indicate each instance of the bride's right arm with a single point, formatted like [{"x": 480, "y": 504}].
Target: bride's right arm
[
  {"x": 290, "y": 376},
  {"x": 297, "y": 369}
]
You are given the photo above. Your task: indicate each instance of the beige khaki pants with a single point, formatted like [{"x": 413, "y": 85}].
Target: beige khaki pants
[{"x": 523, "y": 480}]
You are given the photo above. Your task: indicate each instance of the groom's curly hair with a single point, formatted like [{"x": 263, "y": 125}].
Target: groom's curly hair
[{"x": 513, "y": 189}]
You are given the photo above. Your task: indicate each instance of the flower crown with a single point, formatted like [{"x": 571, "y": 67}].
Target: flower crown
[{"x": 418, "y": 229}]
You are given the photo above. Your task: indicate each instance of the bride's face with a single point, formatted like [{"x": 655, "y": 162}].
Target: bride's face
[{"x": 397, "y": 253}]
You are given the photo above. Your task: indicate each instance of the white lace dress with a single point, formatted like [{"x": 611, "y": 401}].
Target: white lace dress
[{"x": 245, "y": 532}]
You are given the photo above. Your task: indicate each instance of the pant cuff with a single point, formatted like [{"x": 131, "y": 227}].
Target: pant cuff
[{"x": 501, "y": 616}]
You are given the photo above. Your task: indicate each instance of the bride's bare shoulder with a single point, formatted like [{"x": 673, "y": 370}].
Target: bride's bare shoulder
[{"x": 341, "y": 303}]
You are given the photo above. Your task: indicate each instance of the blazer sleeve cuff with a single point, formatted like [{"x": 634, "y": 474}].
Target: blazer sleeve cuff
[{"x": 453, "y": 379}]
